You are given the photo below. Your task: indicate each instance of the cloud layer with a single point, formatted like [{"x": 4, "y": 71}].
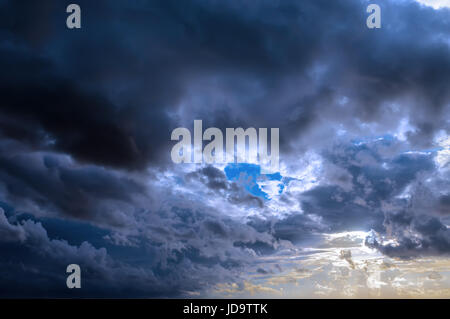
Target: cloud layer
[{"x": 86, "y": 117}]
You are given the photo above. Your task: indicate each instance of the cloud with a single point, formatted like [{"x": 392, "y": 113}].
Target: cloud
[
  {"x": 176, "y": 261},
  {"x": 436, "y": 4},
  {"x": 347, "y": 256},
  {"x": 85, "y": 122},
  {"x": 223, "y": 63},
  {"x": 10, "y": 233},
  {"x": 410, "y": 235},
  {"x": 55, "y": 184},
  {"x": 232, "y": 191}
]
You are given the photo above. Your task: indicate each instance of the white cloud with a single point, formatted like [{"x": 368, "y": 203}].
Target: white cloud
[
  {"x": 436, "y": 4},
  {"x": 443, "y": 156}
]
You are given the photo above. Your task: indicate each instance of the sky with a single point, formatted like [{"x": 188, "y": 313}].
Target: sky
[{"x": 360, "y": 207}]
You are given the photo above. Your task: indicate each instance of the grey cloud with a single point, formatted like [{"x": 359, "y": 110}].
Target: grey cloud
[
  {"x": 265, "y": 65},
  {"x": 8, "y": 232},
  {"x": 55, "y": 184},
  {"x": 187, "y": 257},
  {"x": 415, "y": 235},
  {"x": 234, "y": 192},
  {"x": 85, "y": 122}
]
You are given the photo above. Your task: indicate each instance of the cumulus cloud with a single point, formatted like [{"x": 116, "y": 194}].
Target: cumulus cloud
[
  {"x": 10, "y": 233},
  {"x": 178, "y": 260}
]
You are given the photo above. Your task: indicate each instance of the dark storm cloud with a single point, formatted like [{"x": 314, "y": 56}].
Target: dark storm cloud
[
  {"x": 53, "y": 184},
  {"x": 111, "y": 92},
  {"x": 82, "y": 110},
  {"x": 167, "y": 251},
  {"x": 43, "y": 261},
  {"x": 375, "y": 71},
  {"x": 55, "y": 113},
  {"x": 174, "y": 252}
]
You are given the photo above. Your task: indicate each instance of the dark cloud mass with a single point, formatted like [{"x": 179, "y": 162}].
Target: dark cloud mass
[{"x": 86, "y": 117}]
